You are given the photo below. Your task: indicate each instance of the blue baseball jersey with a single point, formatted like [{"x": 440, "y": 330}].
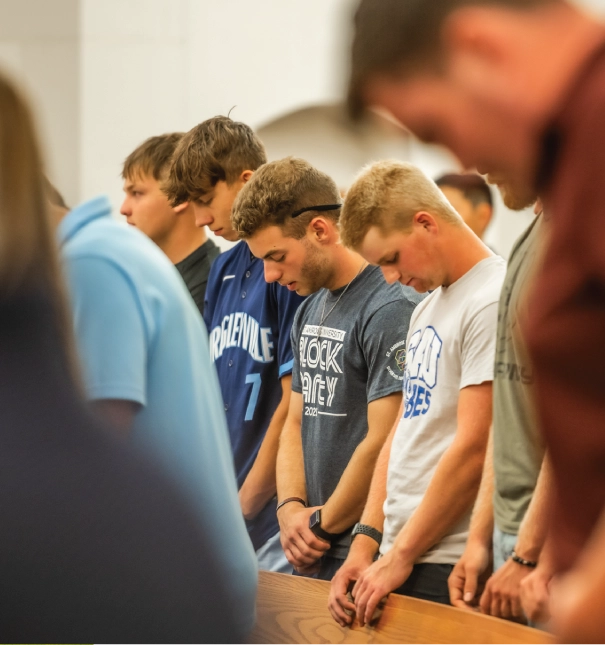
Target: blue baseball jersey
[{"x": 249, "y": 323}]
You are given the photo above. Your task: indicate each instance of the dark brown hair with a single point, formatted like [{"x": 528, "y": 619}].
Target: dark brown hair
[
  {"x": 470, "y": 184},
  {"x": 218, "y": 149},
  {"x": 395, "y": 36},
  {"x": 152, "y": 157},
  {"x": 276, "y": 191}
]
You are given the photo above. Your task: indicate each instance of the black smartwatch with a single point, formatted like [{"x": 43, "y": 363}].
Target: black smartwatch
[
  {"x": 365, "y": 529},
  {"x": 315, "y": 526}
]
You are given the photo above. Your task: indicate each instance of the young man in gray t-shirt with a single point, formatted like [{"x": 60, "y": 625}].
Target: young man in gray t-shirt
[{"x": 349, "y": 353}]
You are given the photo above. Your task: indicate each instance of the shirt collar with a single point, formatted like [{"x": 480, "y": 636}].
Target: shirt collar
[{"x": 82, "y": 215}]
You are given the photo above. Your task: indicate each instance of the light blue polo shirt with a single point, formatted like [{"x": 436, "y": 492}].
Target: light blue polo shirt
[{"x": 141, "y": 338}]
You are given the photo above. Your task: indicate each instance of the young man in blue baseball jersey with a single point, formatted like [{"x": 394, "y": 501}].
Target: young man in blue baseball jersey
[
  {"x": 248, "y": 320},
  {"x": 349, "y": 352}
]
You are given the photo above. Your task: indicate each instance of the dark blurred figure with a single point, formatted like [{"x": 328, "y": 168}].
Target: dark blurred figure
[
  {"x": 94, "y": 545},
  {"x": 518, "y": 87},
  {"x": 470, "y": 195}
]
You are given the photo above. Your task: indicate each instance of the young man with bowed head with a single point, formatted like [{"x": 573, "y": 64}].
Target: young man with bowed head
[
  {"x": 470, "y": 195},
  {"x": 510, "y": 518},
  {"x": 348, "y": 340},
  {"x": 427, "y": 476},
  {"x": 174, "y": 230},
  {"x": 146, "y": 363},
  {"x": 518, "y": 87},
  {"x": 248, "y": 320}
]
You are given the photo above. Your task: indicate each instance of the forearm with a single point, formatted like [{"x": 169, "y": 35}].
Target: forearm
[
  {"x": 347, "y": 502},
  {"x": 260, "y": 484},
  {"x": 290, "y": 471},
  {"x": 482, "y": 520},
  {"x": 449, "y": 496},
  {"x": 533, "y": 529}
]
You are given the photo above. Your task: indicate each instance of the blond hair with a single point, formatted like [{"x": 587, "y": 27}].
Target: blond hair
[
  {"x": 387, "y": 195},
  {"x": 219, "y": 149},
  {"x": 276, "y": 191}
]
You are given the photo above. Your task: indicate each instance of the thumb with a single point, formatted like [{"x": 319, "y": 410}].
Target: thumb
[{"x": 470, "y": 586}]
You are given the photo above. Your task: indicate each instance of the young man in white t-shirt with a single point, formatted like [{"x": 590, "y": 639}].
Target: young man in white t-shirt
[{"x": 428, "y": 473}]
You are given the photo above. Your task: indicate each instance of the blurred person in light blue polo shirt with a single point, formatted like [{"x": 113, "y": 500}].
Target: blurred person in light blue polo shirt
[{"x": 144, "y": 352}]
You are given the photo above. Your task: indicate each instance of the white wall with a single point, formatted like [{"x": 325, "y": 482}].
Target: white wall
[
  {"x": 40, "y": 46},
  {"x": 106, "y": 74},
  {"x": 154, "y": 66}
]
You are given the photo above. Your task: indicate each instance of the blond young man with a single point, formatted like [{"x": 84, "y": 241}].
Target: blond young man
[
  {"x": 248, "y": 321},
  {"x": 174, "y": 230},
  {"x": 427, "y": 476},
  {"x": 348, "y": 340}
]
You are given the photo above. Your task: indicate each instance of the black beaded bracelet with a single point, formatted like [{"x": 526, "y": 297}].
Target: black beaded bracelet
[
  {"x": 525, "y": 563},
  {"x": 291, "y": 499}
]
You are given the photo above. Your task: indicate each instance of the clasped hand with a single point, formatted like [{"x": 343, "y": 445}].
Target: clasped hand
[{"x": 302, "y": 547}]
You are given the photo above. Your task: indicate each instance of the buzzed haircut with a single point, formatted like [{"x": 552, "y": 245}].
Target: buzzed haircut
[
  {"x": 219, "y": 149},
  {"x": 278, "y": 190},
  {"x": 388, "y": 194},
  {"x": 474, "y": 188},
  {"x": 397, "y": 36},
  {"x": 152, "y": 158}
]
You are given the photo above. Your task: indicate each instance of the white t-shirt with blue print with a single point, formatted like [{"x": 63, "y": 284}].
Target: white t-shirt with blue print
[{"x": 451, "y": 345}]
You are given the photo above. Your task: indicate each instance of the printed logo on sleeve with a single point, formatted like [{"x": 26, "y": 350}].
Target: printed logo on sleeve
[
  {"x": 398, "y": 352},
  {"x": 421, "y": 371}
]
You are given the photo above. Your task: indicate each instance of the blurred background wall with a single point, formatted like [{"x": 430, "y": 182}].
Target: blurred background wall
[{"x": 106, "y": 74}]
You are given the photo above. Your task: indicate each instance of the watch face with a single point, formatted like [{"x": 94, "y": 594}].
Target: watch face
[{"x": 315, "y": 520}]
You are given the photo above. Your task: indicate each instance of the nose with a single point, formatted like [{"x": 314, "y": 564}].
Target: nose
[
  {"x": 203, "y": 216},
  {"x": 272, "y": 274},
  {"x": 391, "y": 274},
  {"x": 125, "y": 208}
]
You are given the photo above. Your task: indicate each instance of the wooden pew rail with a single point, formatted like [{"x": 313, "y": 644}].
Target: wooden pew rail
[{"x": 291, "y": 609}]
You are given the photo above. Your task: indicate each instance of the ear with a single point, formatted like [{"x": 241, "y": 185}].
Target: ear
[
  {"x": 484, "y": 213},
  {"x": 320, "y": 230},
  {"x": 245, "y": 176},
  {"x": 181, "y": 208},
  {"x": 425, "y": 221}
]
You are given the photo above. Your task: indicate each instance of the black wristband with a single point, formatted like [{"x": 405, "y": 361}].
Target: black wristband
[
  {"x": 291, "y": 499},
  {"x": 365, "y": 529},
  {"x": 526, "y": 563}
]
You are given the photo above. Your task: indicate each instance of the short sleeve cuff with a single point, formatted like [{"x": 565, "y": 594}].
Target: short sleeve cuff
[{"x": 286, "y": 368}]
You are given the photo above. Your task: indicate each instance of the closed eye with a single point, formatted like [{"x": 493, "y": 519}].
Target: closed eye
[{"x": 392, "y": 260}]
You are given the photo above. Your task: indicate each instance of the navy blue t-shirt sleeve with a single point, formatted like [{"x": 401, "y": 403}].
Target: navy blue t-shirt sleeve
[{"x": 288, "y": 303}]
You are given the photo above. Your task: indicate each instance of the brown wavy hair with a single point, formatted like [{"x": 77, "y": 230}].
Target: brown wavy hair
[
  {"x": 28, "y": 253},
  {"x": 219, "y": 149}
]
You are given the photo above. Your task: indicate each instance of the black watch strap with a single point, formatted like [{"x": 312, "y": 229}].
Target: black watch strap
[
  {"x": 315, "y": 526},
  {"x": 365, "y": 529}
]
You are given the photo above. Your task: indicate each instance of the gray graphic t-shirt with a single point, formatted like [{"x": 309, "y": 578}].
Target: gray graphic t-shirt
[{"x": 354, "y": 358}]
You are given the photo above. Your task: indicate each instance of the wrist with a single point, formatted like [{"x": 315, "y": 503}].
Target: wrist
[
  {"x": 363, "y": 548},
  {"x": 527, "y": 552},
  {"x": 290, "y": 501},
  {"x": 404, "y": 554},
  {"x": 530, "y": 564}
]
